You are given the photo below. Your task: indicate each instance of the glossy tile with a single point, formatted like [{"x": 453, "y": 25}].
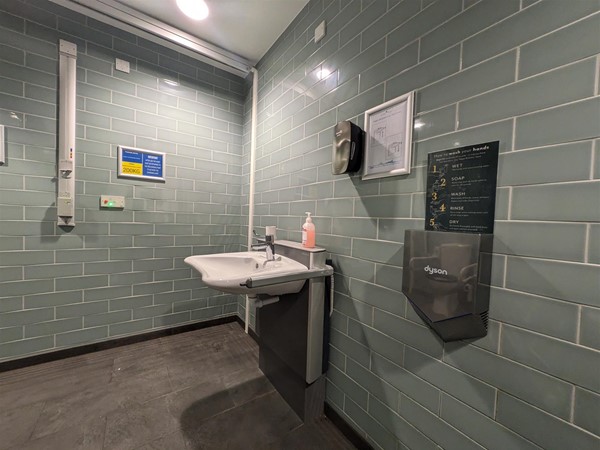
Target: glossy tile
[
  {"x": 590, "y": 322},
  {"x": 576, "y": 42},
  {"x": 511, "y": 377},
  {"x": 469, "y": 390},
  {"x": 540, "y": 427},
  {"x": 482, "y": 429},
  {"x": 557, "y": 87},
  {"x": 548, "y": 355},
  {"x": 479, "y": 16},
  {"x": 541, "y": 314},
  {"x": 537, "y": 202},
  {"x": 538, "y": 19},
  {"x": 587, "y": 406},
  {"x": 434, "y": 427},
  {"x": 392, "y": 421},
  {"x": 547, "y": 127},
  {"x": 428, "y": 19},
  {"x": 561, "y": 241},
  {"x": 540, "y": 165}
]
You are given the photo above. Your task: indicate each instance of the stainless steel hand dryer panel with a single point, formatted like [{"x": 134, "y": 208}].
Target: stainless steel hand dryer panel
[{"x": 347, "y": 150}]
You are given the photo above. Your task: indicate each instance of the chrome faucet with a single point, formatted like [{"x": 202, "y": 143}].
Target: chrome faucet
[{"x": 267, "y": 244}]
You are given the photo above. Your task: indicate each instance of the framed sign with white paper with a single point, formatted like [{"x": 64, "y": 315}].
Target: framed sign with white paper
[{"x": 388, "y": 144}]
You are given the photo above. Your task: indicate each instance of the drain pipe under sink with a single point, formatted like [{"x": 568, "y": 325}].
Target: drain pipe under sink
[
  {"x": 264, "y": 301},
  {"x": 253, "y": 125}
]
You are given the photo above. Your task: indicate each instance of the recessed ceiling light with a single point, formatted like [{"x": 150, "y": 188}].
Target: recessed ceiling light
[{"x": 194, "y": 9}]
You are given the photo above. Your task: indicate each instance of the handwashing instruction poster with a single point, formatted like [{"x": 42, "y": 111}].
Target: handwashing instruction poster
[{"x": 461, "y": 189}]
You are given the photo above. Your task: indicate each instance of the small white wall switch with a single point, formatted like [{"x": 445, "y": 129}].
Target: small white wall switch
[
  {"x": 320, "y": 31},
  {"x": 122, "y": 65},
  {"x": 112, "y": 202}
]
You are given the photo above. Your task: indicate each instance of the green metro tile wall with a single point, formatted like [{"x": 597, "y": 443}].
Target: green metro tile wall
[
  {"x": 521, "y": 72},
  {"x": 117, "y": 272}
]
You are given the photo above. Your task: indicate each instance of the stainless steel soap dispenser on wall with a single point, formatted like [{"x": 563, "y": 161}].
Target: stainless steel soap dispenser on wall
[{"x": 347, "y": 150}]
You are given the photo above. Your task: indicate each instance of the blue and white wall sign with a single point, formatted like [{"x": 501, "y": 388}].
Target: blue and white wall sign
[{"x": 138, "y": 163}]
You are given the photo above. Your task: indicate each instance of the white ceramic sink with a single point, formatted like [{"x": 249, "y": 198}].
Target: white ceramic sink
[{"x": 250, "y": 273}]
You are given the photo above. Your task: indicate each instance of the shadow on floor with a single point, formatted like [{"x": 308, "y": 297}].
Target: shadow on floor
[{"x": 193, "y": 391}]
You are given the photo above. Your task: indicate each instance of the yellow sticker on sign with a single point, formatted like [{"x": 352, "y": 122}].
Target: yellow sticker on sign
[{"x": 131, "y": 168}]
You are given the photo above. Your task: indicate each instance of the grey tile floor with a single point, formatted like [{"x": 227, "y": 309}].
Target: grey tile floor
[{"x": 191, "y": 391}]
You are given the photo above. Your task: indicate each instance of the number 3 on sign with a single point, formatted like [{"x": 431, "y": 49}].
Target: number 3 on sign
[{"x": 434, "y": 195}]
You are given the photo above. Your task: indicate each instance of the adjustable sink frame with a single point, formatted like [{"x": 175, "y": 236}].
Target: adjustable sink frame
[{"x": 293, "y": 336}]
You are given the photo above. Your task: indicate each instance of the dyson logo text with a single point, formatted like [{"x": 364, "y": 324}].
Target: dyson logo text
[{"x": 434, "y": 270}]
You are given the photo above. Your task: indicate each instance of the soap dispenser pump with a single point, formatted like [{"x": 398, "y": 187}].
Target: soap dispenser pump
[{"x": 308, "y": 232}]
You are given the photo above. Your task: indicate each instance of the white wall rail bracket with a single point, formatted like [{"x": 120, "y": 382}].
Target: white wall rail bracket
[{"x": 67, "y": 92}]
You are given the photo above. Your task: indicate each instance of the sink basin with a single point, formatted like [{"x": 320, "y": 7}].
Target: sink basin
[{"x": 250, "y": 273}]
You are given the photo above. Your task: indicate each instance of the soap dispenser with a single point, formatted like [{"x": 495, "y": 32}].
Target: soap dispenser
[{"x": 308, "y": 232}]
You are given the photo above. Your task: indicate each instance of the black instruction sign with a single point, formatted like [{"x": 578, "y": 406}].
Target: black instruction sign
[{"x": 461, "y": 189}]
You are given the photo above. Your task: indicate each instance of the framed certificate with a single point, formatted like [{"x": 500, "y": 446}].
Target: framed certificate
[{"x": 388, "y": 144}]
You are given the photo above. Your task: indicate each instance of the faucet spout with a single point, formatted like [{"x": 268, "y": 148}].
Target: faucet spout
[
  {"x": 270, "y": 251},
  {"x": 267, "y": 245}
]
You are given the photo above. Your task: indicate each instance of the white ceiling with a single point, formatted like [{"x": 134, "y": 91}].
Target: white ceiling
[{"x": 247, "y": 28}]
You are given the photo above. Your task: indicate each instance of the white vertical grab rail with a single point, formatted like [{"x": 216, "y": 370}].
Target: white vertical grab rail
[
  {"x": 253, "y": 125},
  {"x": 67, "y": 96}
]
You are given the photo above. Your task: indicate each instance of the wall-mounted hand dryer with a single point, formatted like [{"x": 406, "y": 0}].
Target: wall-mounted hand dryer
[{"x": 446, "y": 278}]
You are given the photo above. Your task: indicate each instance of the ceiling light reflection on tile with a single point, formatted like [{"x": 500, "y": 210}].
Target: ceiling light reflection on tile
[
  {"x": 323, "y": 73},
  {"x": 194, "y": 9}
]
